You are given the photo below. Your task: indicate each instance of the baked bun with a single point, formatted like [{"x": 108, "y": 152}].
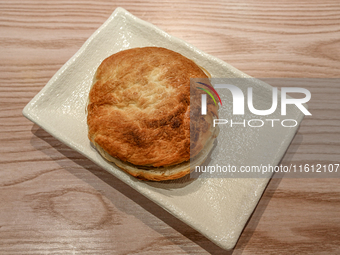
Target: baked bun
[{"x": 139, "y": 113}]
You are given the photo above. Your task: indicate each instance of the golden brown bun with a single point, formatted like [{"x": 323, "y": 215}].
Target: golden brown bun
[
  {"x": 139, "y": 112},
  {"x": 163, "y": 173}
]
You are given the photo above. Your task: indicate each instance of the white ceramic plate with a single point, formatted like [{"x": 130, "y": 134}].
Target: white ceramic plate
[{"x": 216, "y": 207}]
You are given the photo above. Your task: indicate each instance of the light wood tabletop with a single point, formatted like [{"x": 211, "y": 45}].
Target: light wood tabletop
[{"x": 55, "y": 201}]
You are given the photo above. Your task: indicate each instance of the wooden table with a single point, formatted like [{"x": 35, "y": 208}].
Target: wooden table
[{"x": 55, "y": 201}]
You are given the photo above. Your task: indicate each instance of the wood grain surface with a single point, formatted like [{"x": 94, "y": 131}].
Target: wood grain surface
[{"x": 55, "y": 201}]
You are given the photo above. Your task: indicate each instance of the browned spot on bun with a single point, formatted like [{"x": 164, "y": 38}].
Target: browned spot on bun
[{"x": 139, "y": 108}]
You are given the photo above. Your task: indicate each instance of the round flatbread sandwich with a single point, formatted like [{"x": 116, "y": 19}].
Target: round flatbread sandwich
[{"x": 144, "y": 116}]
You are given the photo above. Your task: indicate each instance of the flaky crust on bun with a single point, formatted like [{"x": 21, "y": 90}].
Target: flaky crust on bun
[{"x": 139, "y": 113}]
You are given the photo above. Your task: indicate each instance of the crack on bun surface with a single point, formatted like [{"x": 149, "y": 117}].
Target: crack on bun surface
[{"x": 139, "y": 112}]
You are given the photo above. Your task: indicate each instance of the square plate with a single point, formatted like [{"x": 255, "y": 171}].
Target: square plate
[{"x": 216, "y": 207}]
